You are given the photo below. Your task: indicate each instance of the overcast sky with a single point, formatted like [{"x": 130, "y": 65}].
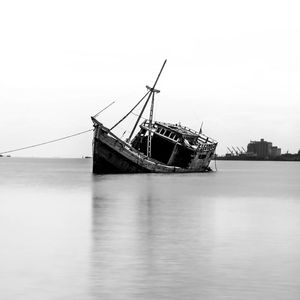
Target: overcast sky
[{"x": 235, "y": 65}]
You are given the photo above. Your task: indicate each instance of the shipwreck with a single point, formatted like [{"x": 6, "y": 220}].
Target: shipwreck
[{"x": 158, "y": 147}]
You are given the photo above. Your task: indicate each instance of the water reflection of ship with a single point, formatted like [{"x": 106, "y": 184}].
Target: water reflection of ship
[
  {"x": 140, "y": 233},
  {"x": 121, "y": 231}
]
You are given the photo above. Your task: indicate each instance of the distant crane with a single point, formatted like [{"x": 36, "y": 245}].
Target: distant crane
[
  {"x": 231, "y": 152},
  {"x": 236, "y": 152},
  {"x": 241, "y": 152}
]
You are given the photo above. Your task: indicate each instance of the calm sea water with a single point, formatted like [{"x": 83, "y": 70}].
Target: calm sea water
[{"x": 66, "y": 234}]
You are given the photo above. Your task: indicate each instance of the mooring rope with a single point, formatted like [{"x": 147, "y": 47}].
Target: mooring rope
[
  {"x": 216, "y": 163},
  {"x": 48, "y": 142}
]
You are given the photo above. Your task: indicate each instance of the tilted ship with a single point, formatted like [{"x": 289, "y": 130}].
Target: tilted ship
[{"x": 158, "y": 147}]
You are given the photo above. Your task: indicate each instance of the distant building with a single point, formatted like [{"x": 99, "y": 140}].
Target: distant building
[
  {"x": 275, "y": 151},
  {"x": 261, "y": 149}
]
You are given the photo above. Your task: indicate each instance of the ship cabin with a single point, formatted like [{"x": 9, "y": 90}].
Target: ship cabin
[{"x": 173, "y": 144}]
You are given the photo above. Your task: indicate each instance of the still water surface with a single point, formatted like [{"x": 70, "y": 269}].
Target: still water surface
[{"x": 66, "y": 234}]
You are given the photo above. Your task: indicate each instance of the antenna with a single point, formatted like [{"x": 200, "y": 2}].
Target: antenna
[{"x": 200, "y": 131}]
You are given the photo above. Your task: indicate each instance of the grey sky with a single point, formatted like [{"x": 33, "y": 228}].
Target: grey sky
[{"x": 233, "y": 64}]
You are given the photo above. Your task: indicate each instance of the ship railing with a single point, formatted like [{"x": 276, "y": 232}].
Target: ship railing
[
  {"x": 146, "y": 123},
  {"x": 164, "y": 132},
  {"x": 206, "y": 139},
  {"x": 206, "y": 147},
  {"x": 186, "y": 131},
  {"x": 178, "y": 128}
]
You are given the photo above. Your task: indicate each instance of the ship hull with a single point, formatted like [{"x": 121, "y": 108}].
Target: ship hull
[
  {"x": 112, "y": 156},
  {"x": 108, "y": 160}
]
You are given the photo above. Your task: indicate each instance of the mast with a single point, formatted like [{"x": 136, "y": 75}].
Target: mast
[
  {"x": 150, "y": 124},
  {"x": 152, "y": 90}
]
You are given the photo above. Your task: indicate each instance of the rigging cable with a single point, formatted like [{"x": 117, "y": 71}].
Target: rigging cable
[
  {"x": 59, "y": 139},
  {"x": 48, "y": 142},
  {"x": 102, "y": 110},
  {"x": 138, "y": 115}
]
